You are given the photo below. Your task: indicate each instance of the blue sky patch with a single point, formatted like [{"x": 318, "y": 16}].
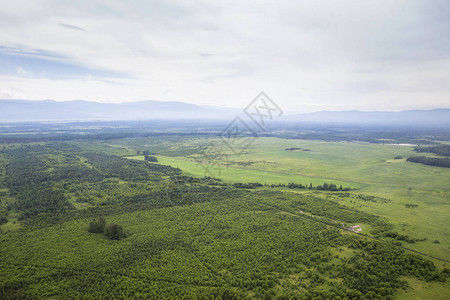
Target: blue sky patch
[{"x": 21, "y": 61}]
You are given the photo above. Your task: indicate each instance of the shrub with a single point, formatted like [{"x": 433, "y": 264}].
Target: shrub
[
  {"x": 114, "y": 232},
  {"x": 151, "y": 158},
  {"x": 97, "y": 226}
]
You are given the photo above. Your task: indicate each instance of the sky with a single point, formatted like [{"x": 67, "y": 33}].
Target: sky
[{"x": 306, "y": 55}]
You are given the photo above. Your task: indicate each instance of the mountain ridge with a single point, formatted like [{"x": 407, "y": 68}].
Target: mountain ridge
[{"x": 22, "y": 110}]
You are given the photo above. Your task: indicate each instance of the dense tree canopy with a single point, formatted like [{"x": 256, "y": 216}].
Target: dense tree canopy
[
  {"x": 187, "y": 237},
  {"x": 431, "y": 161}
]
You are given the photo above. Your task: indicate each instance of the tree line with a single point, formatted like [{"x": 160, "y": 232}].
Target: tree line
[
  {"x": 431, "y": 161},
  {"x": 442, "y": 150}
]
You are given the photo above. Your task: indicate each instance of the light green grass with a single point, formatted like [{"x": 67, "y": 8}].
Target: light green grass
[
  {"x": 368, "y": 163},
  {"x": 12, "y": 224},
  {"x": 372, "y": 164},
  {"x": 423, "y": 290},
  {"x": 370, "y": 167},
  {"x": 240, "y": 174}
]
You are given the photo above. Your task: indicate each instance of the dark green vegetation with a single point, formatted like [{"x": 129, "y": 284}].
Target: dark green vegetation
[
  {"x": 291, "y": 185},
  {"x": 296, "y": 148},
  {"x": 97, "y": 226},
  {"x": 150, "y": 158},
  {"x": 442, "y": 150},
  {"x": 112, "y": 231},
  {"x": 431, "y": 161},
  {"x": 191, "y": 237}
]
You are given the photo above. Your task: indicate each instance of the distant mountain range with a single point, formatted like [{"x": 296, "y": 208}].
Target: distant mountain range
[{"x": 80, "y": 110}]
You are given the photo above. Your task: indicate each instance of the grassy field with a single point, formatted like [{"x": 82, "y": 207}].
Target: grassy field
[
  {"x": 423, "y": 290},
  {"x": 241, "y": 174},
  {"x": 369, "y": 168}
]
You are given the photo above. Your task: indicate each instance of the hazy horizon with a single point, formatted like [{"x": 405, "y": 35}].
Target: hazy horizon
[
  {"x": 231, "y": 108},
  {"x": 151, "y": 110}
]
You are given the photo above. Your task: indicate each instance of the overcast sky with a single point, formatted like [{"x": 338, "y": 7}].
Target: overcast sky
[{"x": 306, "y": 55}]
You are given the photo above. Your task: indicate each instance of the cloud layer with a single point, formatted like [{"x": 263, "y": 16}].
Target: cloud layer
[{"x": 307, "y": 55}]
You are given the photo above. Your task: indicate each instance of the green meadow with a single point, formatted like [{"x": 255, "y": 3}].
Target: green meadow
[
  {"x": 241, "y": 174},
  {"x": 369, "y": 169}
]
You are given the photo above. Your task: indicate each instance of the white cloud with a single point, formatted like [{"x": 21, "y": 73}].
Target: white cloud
[
  {"x": 305, "y": 54},
  {"x": 22, "y": 72}
]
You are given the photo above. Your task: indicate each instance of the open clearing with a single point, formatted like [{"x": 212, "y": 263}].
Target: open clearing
[{"x": 369, "y": 168}]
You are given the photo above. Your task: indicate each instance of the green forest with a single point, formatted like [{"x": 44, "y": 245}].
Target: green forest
[{"x": 93, "y": 224}]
